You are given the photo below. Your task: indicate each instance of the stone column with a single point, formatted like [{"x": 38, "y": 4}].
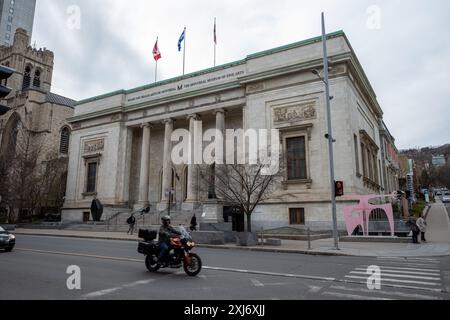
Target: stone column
[
  {"x": 191, "y": 192},
  {"x": 167, "y": 161},
  {"x": 220, "y": 142},
  {"x": 145, "y": 166}
]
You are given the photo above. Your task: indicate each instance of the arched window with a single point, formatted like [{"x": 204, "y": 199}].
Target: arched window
[
  {"x": 65, "y": 140},
  {"x": 5, "y": 81},
  {"x": 37, "y": 78},
  {"x": 27, "y": 77}
]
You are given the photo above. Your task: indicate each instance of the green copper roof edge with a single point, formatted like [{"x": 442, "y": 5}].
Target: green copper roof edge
[
  {"x": 103, "y": 96},
  {"x": 209, "y": 70},
  {"x": 295, "y": 45}
]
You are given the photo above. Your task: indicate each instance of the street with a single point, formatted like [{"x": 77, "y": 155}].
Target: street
[{"x": 114, "y": 270}]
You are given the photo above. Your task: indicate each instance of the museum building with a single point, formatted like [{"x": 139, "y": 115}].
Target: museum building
[{"x": 120, "y": 146}]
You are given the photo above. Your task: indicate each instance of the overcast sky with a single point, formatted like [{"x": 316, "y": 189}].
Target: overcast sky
[{"x": 404, "y": 47}]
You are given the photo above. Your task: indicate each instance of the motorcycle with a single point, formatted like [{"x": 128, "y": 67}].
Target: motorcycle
[{"x": 179, "y": 256}]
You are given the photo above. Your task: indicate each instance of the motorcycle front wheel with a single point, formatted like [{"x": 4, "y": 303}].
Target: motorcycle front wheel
[
  {"x": 195, "y": 267},
  {"x": 151, "y": 262}
]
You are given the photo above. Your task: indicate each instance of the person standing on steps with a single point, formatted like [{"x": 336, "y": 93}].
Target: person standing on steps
[
  {"x": 194, "y": 223},
  {"x": 132, "y": 223}
]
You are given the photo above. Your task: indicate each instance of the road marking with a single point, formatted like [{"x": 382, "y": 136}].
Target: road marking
[
  {"x": 257, "y": 283},
  {"x": 400, "y": 281},
  {"x": 402, "y": 272},
  {"x": 101, "y": 293},
  {"x": 352, "y": 296},
  {"x": 314, "y": 289},
  {"x": 299, "y": 276},
  {"x": 81, "y": 255},
  {"x": 387, "y": 293},
  {"x": 384, "y": 274},
  {"x": 402, "y": 268},
  {"x": 406, "y": 259}
]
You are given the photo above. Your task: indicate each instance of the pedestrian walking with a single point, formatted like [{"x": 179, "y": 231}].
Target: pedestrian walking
[
  {"x": 422, "y": 225},
  {"x": 132, "y": 223},
  {"x": 194, "y": 223},
  {"x": 414, "y": 229}
]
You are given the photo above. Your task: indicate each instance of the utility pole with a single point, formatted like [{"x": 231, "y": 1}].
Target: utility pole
[{"x": 330, "y": 135}]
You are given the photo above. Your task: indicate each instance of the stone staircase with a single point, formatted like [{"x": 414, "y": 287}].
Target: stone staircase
[{"x": 117, "y": 222}]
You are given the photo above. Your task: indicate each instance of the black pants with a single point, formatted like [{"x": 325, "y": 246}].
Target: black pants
[
  {"x": 415, "y": 237},
  {"x": 423, "y": 237}
]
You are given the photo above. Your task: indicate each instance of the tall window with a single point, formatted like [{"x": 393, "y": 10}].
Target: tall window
[
  {"x": 37, "y": 79},
  {"x": 26, "y": 78},
  {"x": 91, "y": 183},
  {"x": 297, "y": 216},
  {"x": 358, "y": 171},
  {"x": 296, "y": 158},
  {"x": 65, "y": 139},
  {"x": 364, "y": 161}
]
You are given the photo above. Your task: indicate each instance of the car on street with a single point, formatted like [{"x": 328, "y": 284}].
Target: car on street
[
  {"x": 446, "y": 197},
  {"x": 7, "y": 240}
]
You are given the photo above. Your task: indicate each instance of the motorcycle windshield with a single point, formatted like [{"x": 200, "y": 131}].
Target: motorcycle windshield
[{"x": 184, "y": 234}]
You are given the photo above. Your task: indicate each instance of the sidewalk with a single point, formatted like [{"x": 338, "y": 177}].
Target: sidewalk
[{"x": 438, "y": 245}]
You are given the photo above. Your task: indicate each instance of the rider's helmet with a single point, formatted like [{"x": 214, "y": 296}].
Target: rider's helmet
[{"x": 166, "y": 220}]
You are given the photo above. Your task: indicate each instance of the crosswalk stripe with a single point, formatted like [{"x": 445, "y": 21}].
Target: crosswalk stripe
[
  {"x": 400, "y": 286},
  {"x": 400, "y": 281},
  {"x": 352, "y": 296},
  {"x": 383, "y": 274},
  {"x": 405, "y": 268},
  {"x": 387, "y": 293},
  {"x": 403, "y": 272},
  {"x": 411, "y": 265},
  {"x": 406, "y": 259}
]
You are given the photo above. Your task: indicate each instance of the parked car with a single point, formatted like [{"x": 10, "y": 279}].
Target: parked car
[
  {"x": 7, "y": 240},
  {"x": 446, "y": 197}
]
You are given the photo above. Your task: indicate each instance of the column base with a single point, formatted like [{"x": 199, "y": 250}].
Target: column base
[
  {"x": 212, "y": 212},
  {"x": 141, "y": 205},
  {"x": 189, "y": 205},
  {"x": 162, "y": 206}
]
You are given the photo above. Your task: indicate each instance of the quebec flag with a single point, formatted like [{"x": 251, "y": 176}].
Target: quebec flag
[{"x": 182, "y": 37}]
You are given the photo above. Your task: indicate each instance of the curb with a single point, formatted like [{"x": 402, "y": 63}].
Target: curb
[{"x": 205, "y": 246}]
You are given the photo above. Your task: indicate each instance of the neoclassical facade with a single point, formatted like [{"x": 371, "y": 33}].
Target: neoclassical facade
[{"x": 120, "y": 150}]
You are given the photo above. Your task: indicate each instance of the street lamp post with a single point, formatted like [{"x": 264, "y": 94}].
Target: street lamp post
[{"x": 330, "y": 134}]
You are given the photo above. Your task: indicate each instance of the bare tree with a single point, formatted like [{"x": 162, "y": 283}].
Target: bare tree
[
  {"x": 244, "y": 186},
  {"x": 31, "y": 178}
]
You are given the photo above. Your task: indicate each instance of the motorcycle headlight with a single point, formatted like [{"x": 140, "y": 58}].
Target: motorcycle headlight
[
  {"x": 191, "y": 244},
  {"x": 12, "y": 237}
]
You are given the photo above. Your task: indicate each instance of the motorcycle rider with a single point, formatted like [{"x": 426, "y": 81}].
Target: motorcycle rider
[{"x": 166, "y": 231}]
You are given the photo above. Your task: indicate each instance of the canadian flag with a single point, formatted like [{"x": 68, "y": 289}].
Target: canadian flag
[{"x": 156, "y": 53}]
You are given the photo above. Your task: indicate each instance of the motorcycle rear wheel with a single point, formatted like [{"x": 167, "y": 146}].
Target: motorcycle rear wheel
[
  {"x": 151, "y": 262},
  {"x": 195, "y": 267}
]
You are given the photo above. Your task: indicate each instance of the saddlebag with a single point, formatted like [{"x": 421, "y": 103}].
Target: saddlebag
[
  {"x": 147, "y": 247},
  {"x": 147, "y": 235}
]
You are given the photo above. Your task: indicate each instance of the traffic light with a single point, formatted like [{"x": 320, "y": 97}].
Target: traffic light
[
  {"x": 339, "y": 187},
  {"x": 5, "y": 74}
]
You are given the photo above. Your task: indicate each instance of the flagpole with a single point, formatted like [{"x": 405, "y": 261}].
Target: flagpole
[
  {"x": 156, "y": 69},
  {"x": 215, "y": 41},
  {"x": 184, "y": 51}
]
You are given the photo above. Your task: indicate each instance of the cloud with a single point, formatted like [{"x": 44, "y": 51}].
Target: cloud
[{"x": 406, "y": 60}]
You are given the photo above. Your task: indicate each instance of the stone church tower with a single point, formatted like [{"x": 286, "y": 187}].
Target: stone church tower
[{"x": 31, "y": 107}]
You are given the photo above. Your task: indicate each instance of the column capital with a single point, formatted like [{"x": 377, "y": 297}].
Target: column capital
[
  {"x": 168, "y": 121},
  {"x": 146, "y": 125},
  {"x": 223, "y": 111},
  {"x": 193, "y": 116}
]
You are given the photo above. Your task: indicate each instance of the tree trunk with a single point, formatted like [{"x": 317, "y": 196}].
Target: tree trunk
[{"x": 249, "y": 223}]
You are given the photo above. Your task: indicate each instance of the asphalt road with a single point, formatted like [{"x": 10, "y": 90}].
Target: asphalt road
[{"x": 112, "y": 270}]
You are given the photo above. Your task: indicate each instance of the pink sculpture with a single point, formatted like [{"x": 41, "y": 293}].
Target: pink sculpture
[{"x": 359, "y": 215}]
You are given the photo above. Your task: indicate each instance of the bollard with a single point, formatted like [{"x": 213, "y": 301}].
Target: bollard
[
  {"x": 262, "y": 236},
  {"x": 309, "y": 239}
]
